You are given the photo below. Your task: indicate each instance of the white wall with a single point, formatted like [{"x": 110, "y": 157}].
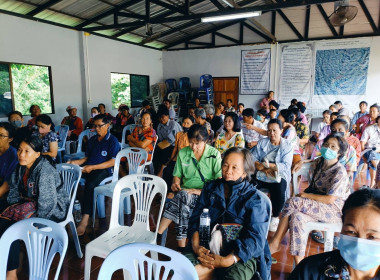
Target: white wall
[
  {"x": 219, "y": 62},
  {"x": 26, "y": 41}
]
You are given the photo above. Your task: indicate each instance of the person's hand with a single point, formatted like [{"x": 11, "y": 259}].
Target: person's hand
[
  {"x": 249, "y": 126},
  {"x": 301, "y": 195},
  {"x": 176, "y": 187},
  {"x": 194, "y": 191},
  {"x": 297, "y": 166},
  {"x": 251, "y": 144},
  {"x": 270, "y": 172},
  {"x": 259, "y": 166},
  {"x": 219, "y": 261},
  {"x": 161, "y": 172},
  {"x": 69, "y": 133},
  {"x": 87, "y": 168},
  {"x": 203, "y": 256},
  {"x": 129, "y": 137}
]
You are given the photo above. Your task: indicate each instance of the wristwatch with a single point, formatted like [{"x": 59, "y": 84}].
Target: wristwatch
[{"x": 235, "y": 259}]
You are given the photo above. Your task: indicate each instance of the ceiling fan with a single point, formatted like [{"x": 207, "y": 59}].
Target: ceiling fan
[
  {"x": 343, "y": 13},
  {"x": 150, "y": 36}
]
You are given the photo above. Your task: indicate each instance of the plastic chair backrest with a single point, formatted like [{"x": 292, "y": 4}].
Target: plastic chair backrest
[
  {"x": 173, "y": 96},
  {"x": 136, "y": 158},
  {"x": 171, "y": 85},
  {"x": 62, "y": 131},
  {"x": 130, "y": 128},
  {"x": 184, "y": 83},
  {"x": 268, "y": 204},
  {"x": 205, "y": 81},
  {"x": 70, "y": 175},
  {"x": 305, "y": 172},
  {"x": 89, "y": 133},
  {"x": 144, "y": 188},
  {"x": 43, "y": 240},
  {"x": 132, "y": 257}
]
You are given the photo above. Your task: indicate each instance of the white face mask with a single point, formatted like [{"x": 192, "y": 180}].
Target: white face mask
[{"x": 94, "y": 114}]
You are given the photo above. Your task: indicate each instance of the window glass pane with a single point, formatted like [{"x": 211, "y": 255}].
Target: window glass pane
[
  {"x": 139, "y": 89},
  {"x": 31, "y": 85},
  {"x": 5, "y": 91},
  {"x": 120, "y": 89}
]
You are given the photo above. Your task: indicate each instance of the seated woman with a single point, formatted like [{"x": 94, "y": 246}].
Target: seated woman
[
  {"x": 273, "y": 159},
  {"x": 16, "y": 119},
  {"x": 195, "y": 166},
  {"x": 34, "y": 111},
  {"x": 359, "y": 243},
  {"x": 8, "y": 161},
  {"x": 231, "y": 136},
  {"x": 123, "y": 119},
  {"x": 232, "y": 199},
  {"x": 144, "y": 137},
  {"x": 49, "y": 138},
  {"x": 322, "y": 201},
  {"x": 37, "y": 183},
  {"x": 90, "y": 123},
  {"x": 181, "y": 141}
]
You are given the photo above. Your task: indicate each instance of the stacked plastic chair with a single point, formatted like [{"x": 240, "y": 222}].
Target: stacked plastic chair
[
  {"x": 171, "y": 85},
  {"x": 206, "y": 89},
  {"x": 184, "y": 94}
]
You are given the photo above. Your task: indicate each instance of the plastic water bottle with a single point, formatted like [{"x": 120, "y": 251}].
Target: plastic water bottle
[
  {"x": 204, "y": 229},
  {"x": 77, "y": 212}
]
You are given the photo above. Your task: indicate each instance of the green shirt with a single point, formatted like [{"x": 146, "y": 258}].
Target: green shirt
[{"x": 186, "y": 169}]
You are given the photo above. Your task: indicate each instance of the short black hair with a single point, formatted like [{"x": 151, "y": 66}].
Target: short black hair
[
  {"x": 336, "y": 114},
  {"x": 365, "y": 197},
  {"x": 375, "y": 106},
  {"x": 269, "y": 92},
  {"x": 363, "y": 102},
  {"x": 221, "y": 103},
  {"x": 167, "y": 100},
  {"x": 230, "y": 100},
  {"x": 301, "y": 106},
  {"x": 327, "y": 112},
  {"x": 235, "y": 119},
  {"x": 263, "y": 112},
  {"x": 103, "y": 117},
  {"x": 342, "y": 121},
  {"x": 97, "y": 109},
  {"x": 145, "y": 103},
  {"x": 249, "y": 163},
  {"x": 34, "y": 142},
  {"x": 101, "y": 104},
  {"x": 188, "y": 117},
  {"x": 293, "y": 101},
  {"x": 288, "y": 115},
  {"x": 32, "y": 106},
  {"x": 275, "y": 121},
  {"x": 338, "y": 102},
  {"x": 343, "y": 145},
  {"x": 45, "y": 119},
  {"x": 146, "y": 113},
  {"x": 242, "y": 104},
  {"x": 124, "y": 107},
  {"x": 275, "y": 104},
  {"x": 9, "y": 128},
  {"x": 163, "y": 111},
  {"x": 14, "y": 113},
  {"x": 198, "y": 132},
  {"x": 249, "y": 112}
]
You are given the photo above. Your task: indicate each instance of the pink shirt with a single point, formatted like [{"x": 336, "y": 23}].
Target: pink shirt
[{"x": 265, "y": 103}]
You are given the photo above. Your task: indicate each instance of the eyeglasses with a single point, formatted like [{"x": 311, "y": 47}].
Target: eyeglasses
[
  {"x": 99, "y": 125},
  {"x": 3, "y": 136}
]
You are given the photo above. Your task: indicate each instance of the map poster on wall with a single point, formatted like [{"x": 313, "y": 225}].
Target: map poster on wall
[
  {"x": 341, "y": 70},
  {"x": 255, "y": 72},
  {"x": 296, "y": 73}
]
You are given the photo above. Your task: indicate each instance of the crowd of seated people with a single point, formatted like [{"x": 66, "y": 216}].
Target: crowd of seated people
[{"x": 216, "y": 157}]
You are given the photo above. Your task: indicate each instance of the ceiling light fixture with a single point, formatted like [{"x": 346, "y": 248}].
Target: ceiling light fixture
[{"x": 231, "y": 16}]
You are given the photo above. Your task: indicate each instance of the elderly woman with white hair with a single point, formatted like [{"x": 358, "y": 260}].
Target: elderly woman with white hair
[{"x": 216, "y": 122}]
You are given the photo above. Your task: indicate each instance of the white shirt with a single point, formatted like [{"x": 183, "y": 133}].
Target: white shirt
[
  {"x": 251, "y": 135},
  {"x": 371, "y": 135},
  {"x": 321, "y": 125}
]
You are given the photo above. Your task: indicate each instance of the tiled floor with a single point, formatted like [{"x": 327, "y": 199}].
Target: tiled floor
[{"x": 73, "y": 267}]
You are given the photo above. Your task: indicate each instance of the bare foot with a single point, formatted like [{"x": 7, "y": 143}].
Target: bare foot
[
  {"x": 273, "y": 247},
  {"x": 81, "y": 229}
]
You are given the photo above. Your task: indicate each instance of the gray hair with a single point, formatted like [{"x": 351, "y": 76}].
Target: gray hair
[
  {"x": 209, "y": 109},
  {"x": 200, "y": 113}
]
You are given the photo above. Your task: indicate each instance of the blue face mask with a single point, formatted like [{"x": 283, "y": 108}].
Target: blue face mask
[
  {"x": 361, "y": 254},
  {"x": 328, "y": 154},
  {"x": 258, "y": 118},
  {"x": 17, "y": 123}
]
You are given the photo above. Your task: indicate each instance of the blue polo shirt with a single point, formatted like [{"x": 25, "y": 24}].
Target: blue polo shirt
[
  {"x": 8, "y": 163},
  {"x": 99, "y": 152}
]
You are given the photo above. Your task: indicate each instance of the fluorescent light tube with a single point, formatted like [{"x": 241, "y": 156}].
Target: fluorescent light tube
[{"x": 231, "y": 16}]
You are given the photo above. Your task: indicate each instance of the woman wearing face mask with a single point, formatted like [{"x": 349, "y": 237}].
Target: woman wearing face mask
[
  {"x": 231, "y": 136},
  {"x": 196, "y": 165},
  {"x": 21, "y": 132},
  {"x": 232, "y": 199},
  {"x": 49, "y": 138},
  {"x": 181, "y": 141},
  {"x": 90, "y": 123},
  {"x": 358, "y": 256},
  {"x": 322, "y": 201}
]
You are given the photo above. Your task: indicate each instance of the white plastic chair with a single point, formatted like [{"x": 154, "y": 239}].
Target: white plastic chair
[
  {"x": 62, "y": 131},
  {"x": 143, "y": 188},
  {"x": 43, "y": 240},
  {"x": 268, "y": 203},
  {"x": 79, "y": 154},
  {"x": 136, "y": 158},
  {"x": 304, "y": 172},
  {"x": 149, "y": 163},
  {"x": 71, "y": 175},
  {"x": 328, "y": 230},
  {"x": 126, "y": 128},
  {"x": 132, "y": 258}
]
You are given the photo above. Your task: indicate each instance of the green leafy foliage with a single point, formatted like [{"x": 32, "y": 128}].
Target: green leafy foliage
[
  {"x": 31, "y": 85},
  {"x": 5, "y": 91},
  {"x": 120, "y": 89}
]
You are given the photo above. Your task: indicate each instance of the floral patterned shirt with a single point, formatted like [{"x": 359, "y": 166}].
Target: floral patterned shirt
[{"x": 222, "y": 144}]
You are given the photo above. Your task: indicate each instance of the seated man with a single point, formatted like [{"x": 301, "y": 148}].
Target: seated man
[
  {"x": 75, "y": 123},
  {"x": 16, "y": 119},
  {"x": 251, "y": 136},
  {"x": 168, "y": 104},
  {"x": 166, "y": 131},
  {"x": 100, "y": 158}
]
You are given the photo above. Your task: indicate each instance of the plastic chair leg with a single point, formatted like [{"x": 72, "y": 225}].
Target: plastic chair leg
[
  {"x": 87, "y": 266},
  {"x": 59, "y": 157},
  {"x": 127, "y": 205},
  {"x": 329, "y": 235},
  {"x": 76, "y": 239},
  {"x": 101, "y": 206}
]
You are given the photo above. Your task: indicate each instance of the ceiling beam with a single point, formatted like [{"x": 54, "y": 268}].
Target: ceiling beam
[
  {"x": 290, "y": 24},
  {"x": 368, "y": 15},
  {"x": 307, "y": 21},
  {"x": 107, "y": 13},
  {"x": 241, "y": 33},
  {"x": 168, "y": 6},
  {"x": 324, "y": 15},
  {"x": 227, "y": 38},
  {"x": 212, "y": 30},
  {"x": 147, "y": 10},
  {"x": 273, "y": 26},
  {"x": 217, "y": 4},
  {"x": 130, "y": 15},
  {"x": 341, "y": 31},
  {"x": 42, "y": 7},
  {"x": 269, "y": 40},
  {"x": 199, "y": 43},
  {"x": 179, "y": 28}
]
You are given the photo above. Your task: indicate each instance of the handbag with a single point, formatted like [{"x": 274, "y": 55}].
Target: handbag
[
  {"x": 222, "y": 237},
  {"x": 19, "y": 211},
  {"x": 261, "y": 176}
]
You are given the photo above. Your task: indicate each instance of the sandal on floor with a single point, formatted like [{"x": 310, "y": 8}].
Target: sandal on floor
[{"x": 317, "y": 236}]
